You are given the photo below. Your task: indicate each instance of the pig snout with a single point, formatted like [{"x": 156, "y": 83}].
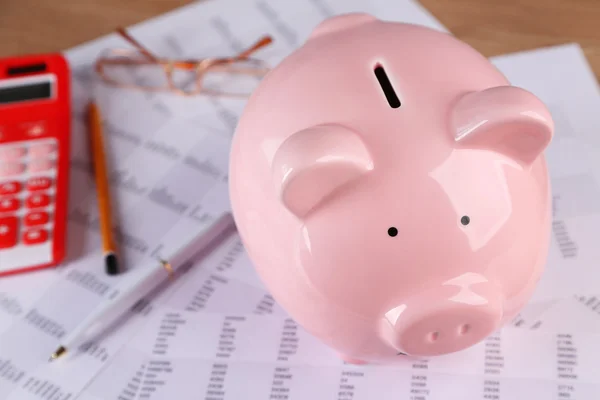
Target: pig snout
[{"x": 446, "y": 319}]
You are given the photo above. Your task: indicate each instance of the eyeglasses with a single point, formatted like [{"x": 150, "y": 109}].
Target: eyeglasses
[{"x": 139, "y": 69}]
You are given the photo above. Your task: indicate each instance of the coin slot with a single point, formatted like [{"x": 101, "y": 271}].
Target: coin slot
[{"x": 386, "y": 86}]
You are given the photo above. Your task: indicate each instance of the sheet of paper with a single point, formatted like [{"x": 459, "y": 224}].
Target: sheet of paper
[
  {"x": 69, "y": 376},
  {"x": 562, "y": 78},
  {"x": 577, "y": 313},
  {"x": 531, "y": 312},
  {"x": 188, "y": 355}
]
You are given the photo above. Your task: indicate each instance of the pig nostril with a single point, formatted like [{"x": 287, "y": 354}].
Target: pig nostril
[
  {"x": 433, "y": 336},
  {"x": 463, "y": 329}
]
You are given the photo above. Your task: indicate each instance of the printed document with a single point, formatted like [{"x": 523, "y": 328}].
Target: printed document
[{"x": 198, "y": 336}]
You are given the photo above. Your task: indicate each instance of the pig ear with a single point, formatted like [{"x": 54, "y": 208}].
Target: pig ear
[
  {"x": 506, "y": 119},
  {"x": 341, "y": 22},
  {"x": 314, "y": 163}
]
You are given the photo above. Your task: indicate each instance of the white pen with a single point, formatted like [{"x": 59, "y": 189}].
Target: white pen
[{"x": 138, "y": 284}]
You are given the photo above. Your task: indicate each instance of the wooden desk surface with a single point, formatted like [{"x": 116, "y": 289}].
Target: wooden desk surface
[{"x": 491, "y": 26}]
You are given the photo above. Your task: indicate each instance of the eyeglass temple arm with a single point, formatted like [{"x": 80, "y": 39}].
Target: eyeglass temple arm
[
  {"x": 262, "y": 42},
  {"x": 135, "y": 43}
]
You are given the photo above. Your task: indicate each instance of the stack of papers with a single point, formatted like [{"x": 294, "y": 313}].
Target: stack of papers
[{"x": 216, "y": 333}]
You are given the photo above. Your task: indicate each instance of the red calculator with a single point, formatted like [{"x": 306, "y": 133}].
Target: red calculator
[{"x": 35, "y": 124}]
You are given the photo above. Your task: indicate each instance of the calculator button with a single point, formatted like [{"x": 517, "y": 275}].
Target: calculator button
[
  {"x": 42, "y": 150},
  {"x": 9, "y": 204},
  {"x": 11, "y": 169},
  {"x": 7, "y": 188},
  {"x": 8, "y": 232},
  {"x": 35, "y": 236},
  {"x": 12, "y": 154},
  {"x": 41, "y": 166},
  {"x": 38, "y": 200},
  {"x": 40, "y": 183},
  {"x": 36, "y": 218}
]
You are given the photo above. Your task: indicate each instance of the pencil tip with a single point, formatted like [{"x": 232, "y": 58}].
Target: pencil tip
[
  {"x": 59, "y": 352},
  {"x": 112, "y": 264}
]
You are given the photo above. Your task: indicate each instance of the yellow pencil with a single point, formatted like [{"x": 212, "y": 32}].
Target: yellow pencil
[{"x": 108, "y": 244}]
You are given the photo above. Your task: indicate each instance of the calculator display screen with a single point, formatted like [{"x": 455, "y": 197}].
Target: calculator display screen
[{"x": 26, "y": 92}]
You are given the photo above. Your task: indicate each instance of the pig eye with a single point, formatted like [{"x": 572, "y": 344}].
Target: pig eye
[
  {"x": 465, "y": 220},
  {"x": 392, "y": 231}
]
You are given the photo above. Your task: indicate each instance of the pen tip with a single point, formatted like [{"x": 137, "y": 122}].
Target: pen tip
[
  {"x": 59, "y": 352},
  {"x": 112, "y": 264}
]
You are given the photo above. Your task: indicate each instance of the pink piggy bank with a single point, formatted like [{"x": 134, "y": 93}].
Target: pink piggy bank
[{"x": 390, "y": 188}]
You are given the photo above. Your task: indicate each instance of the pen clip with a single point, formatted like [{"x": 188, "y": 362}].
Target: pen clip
[{"x": 167, "y": 266}]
